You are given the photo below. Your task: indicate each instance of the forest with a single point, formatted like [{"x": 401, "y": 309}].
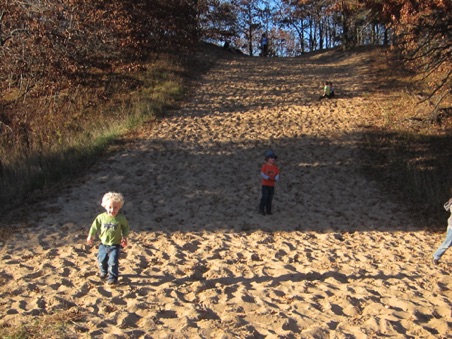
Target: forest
[{"x": 60, "y": 61}]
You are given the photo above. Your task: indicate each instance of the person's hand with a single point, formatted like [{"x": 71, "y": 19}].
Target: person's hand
[
  {"x": 89, "y": 241},
  {"x": 124, "y": 242},
  {"x": 448, "y": 204}
]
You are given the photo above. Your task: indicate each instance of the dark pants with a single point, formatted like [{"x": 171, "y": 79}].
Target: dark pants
[
  {"x": 108, "y": 258},
  {"x": 266, "y": 200}
]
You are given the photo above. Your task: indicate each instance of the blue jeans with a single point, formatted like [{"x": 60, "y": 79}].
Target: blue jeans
[
  {"x": 266, "y": 199},
  {"x": 445, "y": 245},
  {"x": 108, "y": 259}
]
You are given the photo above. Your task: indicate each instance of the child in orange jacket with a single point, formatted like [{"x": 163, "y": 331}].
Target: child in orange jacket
[{"x": 269, "y": 175}]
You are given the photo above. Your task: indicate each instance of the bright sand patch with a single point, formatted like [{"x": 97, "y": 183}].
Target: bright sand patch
[{"x": 338, "y": 259}]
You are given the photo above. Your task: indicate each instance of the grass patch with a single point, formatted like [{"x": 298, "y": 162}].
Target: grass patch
[
  {"x": 59, "y": 325},
  {"x": 414, "y": 167},
  {"x": 67, "y": 131},
  {"x": 407, "y": 148}
]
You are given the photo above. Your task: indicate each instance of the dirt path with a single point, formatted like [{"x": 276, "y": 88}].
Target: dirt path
[{"x": 338, "y": 258}]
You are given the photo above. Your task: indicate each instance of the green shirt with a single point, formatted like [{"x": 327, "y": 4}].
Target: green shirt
[{"x": 110, "y": 229}]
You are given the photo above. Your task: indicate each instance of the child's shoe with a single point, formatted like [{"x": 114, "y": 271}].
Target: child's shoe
[{"x": 112, "y": 281}]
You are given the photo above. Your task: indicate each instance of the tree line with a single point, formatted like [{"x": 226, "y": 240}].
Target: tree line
[
  {"x": 49, "y": 45},
  {"x": 419, "y": 31}
]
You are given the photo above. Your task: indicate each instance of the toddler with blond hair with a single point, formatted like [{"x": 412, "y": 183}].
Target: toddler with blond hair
[{"x": 113, "y": 229}]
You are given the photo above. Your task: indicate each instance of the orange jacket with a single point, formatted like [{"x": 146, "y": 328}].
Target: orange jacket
[{"x": 271, "y": 171}]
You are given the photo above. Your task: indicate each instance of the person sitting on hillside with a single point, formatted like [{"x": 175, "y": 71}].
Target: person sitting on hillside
[{"x": 326, "y": 90}]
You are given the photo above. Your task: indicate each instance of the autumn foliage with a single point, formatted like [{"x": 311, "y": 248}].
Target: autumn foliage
[
  {"x": 50, "y": 48},
  {"x": 424, "y": 30}
]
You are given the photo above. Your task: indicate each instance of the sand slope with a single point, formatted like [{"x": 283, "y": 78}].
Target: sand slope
[{"x": 338, "y": 259}]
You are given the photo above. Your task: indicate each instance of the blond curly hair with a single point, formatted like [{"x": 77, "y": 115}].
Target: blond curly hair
[{"x": 114, "y": 197}]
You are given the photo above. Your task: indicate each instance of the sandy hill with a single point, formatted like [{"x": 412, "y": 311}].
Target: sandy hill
[{"x": 339, "y": 258}]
